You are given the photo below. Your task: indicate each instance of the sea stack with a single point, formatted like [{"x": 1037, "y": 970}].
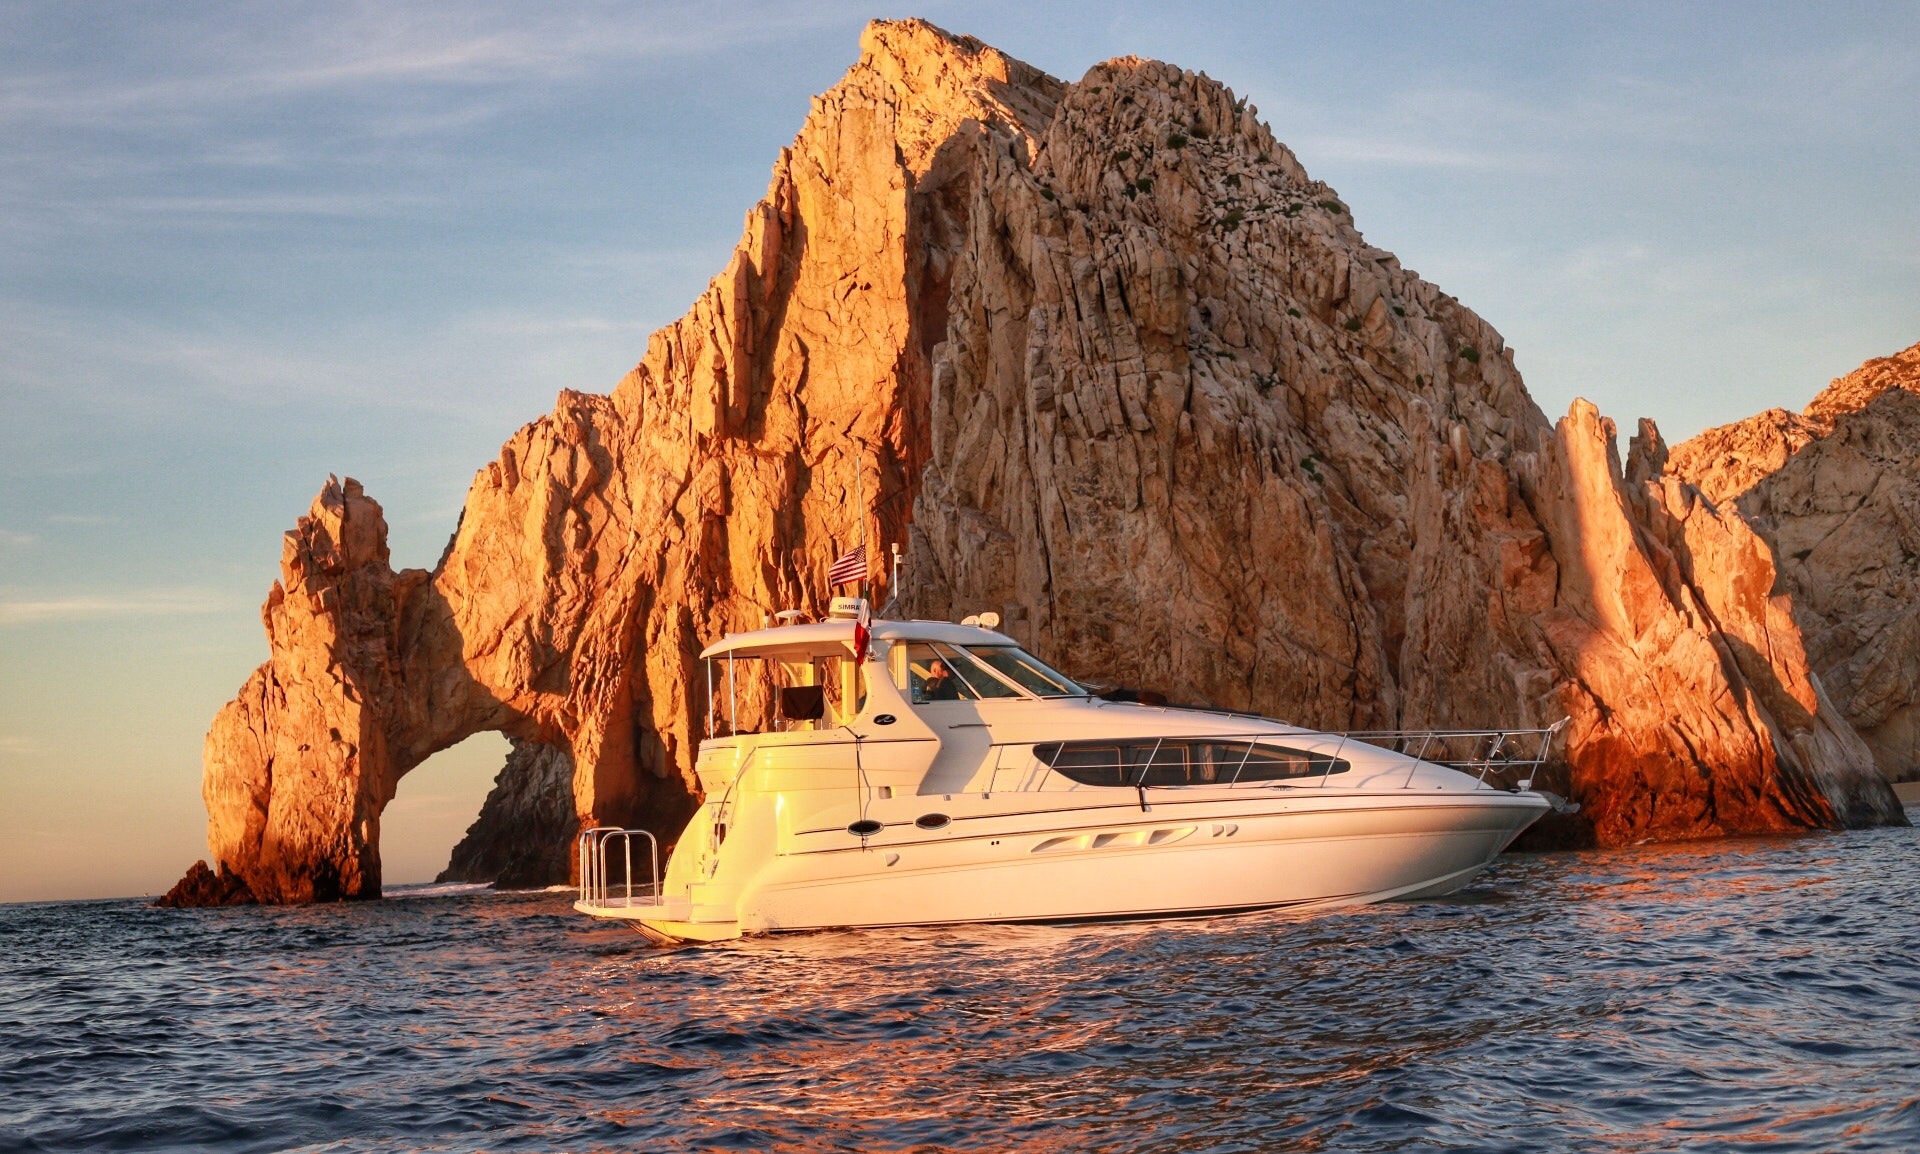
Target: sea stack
[{"x": 1108, "y": 361}]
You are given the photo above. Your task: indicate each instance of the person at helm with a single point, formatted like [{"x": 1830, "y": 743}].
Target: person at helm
[{"x": 941, "y": 684}]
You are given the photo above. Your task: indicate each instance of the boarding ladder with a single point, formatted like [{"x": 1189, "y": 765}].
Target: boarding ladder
[{"x": 607, "y": 878}]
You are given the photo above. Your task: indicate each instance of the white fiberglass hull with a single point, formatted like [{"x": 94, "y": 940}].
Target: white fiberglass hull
[
  {"x": 969, "y": 782},
  {"x": 1164, "y": 853}
]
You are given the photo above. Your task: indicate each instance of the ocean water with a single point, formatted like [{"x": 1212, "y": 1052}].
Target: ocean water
[{"x": 1756, "y": 994}]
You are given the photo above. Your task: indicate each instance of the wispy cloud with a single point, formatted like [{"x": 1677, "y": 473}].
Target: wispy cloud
[
  {"x": 273, "y": 204},
  {"x": 191, "y": 62},
  {"x": 1633, "y": 274},
  {"x": 133, "y": 368},
  {"x": 36, "y": 610},
  {"x": 1389, "y": 152},
  {"x": 564, "y": 326},
  {"x": 230, "y": 115},
  {"x": 12, "y": 540},
  {"x": 1468, "y": 124}
]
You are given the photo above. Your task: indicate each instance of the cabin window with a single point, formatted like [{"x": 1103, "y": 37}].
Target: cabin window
[
  {"x": 1183, "y": 762},
  {"x": 1025, "y": 670},
  {"x": 945, "y": 673}
]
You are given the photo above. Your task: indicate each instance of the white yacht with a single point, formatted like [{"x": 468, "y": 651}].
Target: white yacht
[{"x": 951, "y": 776}]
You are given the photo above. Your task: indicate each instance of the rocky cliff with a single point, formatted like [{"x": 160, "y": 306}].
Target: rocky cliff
[
  {"x": 1113, "y": 364},
  {"x": 1835, "y": 493}
]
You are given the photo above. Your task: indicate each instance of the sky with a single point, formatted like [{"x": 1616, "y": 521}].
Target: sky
[{"x": 246, "y": 245}]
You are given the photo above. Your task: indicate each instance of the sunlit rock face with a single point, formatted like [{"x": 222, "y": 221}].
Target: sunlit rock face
[
  {"x": 1113, "y": 365},
  {"x": 1189, "y": 430},
  {"x": 297, "y": 767},
  {"x": 1835, "y": 493}
]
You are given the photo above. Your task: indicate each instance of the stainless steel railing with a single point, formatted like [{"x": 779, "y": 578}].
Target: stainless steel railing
[
  {"x": 1503, "y": 758},
  {"x": 597, "y": 887},
  {"x": 1516, "y": 754},
  {"x": 1497, "y": 758}
]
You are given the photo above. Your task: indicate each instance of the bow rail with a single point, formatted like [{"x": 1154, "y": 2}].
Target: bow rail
[{"x": 1511, "y": 756}]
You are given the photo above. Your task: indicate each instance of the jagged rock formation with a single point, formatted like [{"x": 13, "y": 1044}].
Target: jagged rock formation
[
  {"x": 1182, "y": 402},
  {"x": 297, "y": 766},
  {"x": 202, "y": 887},
  {"x": 1835, "y": 493},
  {"x": 1130, "y": 375},
  {"x": 524, "y": 834},
  {"x": 611, "y": 536}
]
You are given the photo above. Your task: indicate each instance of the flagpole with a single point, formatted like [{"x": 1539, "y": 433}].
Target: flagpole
[
  {"x": 862, "y": 624},
  {"x": 860, "y": 503}
]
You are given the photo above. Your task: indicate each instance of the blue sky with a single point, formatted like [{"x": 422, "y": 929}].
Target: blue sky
[{"x": 246, "y": 245}]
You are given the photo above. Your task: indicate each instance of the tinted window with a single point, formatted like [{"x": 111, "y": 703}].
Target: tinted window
[
  {"x": 944, "y": 673},
  {"x": 970, "y": 671},
  {"x": 1026, "y": 670},
  {"x": 932, "y": 677},
  {"x": 1183, "y": 762},
  {"x": 1278, "y": 762}
]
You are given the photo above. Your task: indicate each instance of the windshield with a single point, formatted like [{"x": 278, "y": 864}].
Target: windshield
[
  {"x": 1026, "y": 670},
  {"x": 947, "y": 673}
]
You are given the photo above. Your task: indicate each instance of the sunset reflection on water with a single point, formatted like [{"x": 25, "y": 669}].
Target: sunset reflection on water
[{"x": 1712, "y": 995}]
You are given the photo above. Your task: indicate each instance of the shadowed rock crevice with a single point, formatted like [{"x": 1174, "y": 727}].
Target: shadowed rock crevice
[
  {"x": 1835, "y": 493},
  {"x": 1114, "y": 366}
]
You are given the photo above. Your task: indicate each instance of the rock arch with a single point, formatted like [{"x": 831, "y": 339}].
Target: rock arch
[{"x": 1096, "y": 342}]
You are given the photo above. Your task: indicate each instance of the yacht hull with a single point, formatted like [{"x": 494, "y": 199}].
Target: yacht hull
[{"x": 1154, "y": 855}]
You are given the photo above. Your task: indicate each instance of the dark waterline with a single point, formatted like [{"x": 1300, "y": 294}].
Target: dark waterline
[{"x": 1753, "y": 994}]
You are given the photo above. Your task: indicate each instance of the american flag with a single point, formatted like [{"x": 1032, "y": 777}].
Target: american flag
[{"x": 849, "y": 568}]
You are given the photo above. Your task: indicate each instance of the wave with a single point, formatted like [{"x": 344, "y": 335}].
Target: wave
[{"x": 434, "y": 890}]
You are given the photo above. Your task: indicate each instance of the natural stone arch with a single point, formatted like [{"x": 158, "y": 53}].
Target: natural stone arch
[
  {"x": 1100, "y": 343},
  {"x": 714, "y": 485}
]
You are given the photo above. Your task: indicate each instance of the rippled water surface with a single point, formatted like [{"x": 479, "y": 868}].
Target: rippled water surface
[{"x": 1748, "y": 994}]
